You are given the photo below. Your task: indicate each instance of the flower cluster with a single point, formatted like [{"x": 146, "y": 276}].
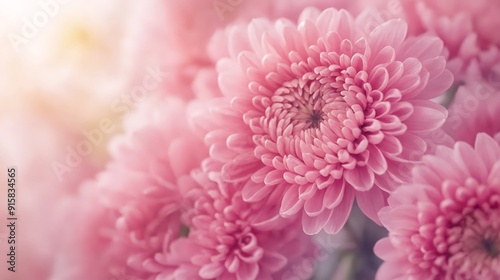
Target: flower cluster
[
  {"x": 325, "y": 112},
  {"x": 444, "y": 223},
  {"x": 273, "y": 124}
]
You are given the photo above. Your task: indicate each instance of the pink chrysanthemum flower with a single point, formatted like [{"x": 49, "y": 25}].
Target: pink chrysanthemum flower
[
  {"x": 474, "y": 109},
  {"x": 185, "y": 32},
  {"x": 140, "y": 194},
  {"x": 445, "y": 223},
  {"x": 233, "y": 239},
  {"x": 479, "y": 17},
  {"x": 468, "y": 29},
  {"x": 143, "y": 183},
  {"x": 325, "y": 112}
]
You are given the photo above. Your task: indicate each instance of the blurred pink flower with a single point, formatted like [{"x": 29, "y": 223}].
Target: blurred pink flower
[
  {"x": 324, "y": 112},
  {"x": 73, "y": 68},
  {"x": 468, "y": 29},
  {"x": 445, "y": 224},
  {"x": 32, "y": 145},
  {"x": 480, "y": 16},
  {"x": 188, "y": 36},
  {"x": 184, "y": 31},
  {"x": 139, "y": 198},
  {"x": 474, "y": 109},
  {"x": 233, "y": 239}
]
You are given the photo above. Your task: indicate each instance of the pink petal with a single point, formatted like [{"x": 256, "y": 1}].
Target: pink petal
[
  {"x": 386, "y": 182},
  {"x": 379, "y": 79},
  {"x": 345, "y": 23},
  {"x": 488, "y": 149},
  {"x": 390, "y": 33},
  {"x": 426, "y": 175},
  {"x": 334, "y": 194},
  {"x": 414, "y": 147},
  {"x": 248, "y": 271},
  {"x": 371, "y": 202},
  {"x": 274, "y": 177},
  {"x": 403, "y": 110},
  {"x": 232, "y": 263},
  {"x": 494, "y": 178},
  {"x": 273, "y": 261},
  {"x": 182, "y": 250},
  {"x": 385, "y": 250},
  {"x": 291, "y": 203},
  {"x": 269, "y": 220},
  {"x": 313, "y": 225},
  {"x": 314, "y": 205},
  {"x": 239, "y": 142},
  {"x": 471, "y": 161},
  {"x": 240, "y": 168},
  {"x": 340, "y": 213},
  {"x": 401, "y": 217},
  {"x": 183, "y": 272},
  {"x": 385, "y": 55},
  {"x": 360, "y": 178},
  {"x": 211, "y": 270},
  {"x": 390, "y": 145},
  {"x": 220, "y": 152},
  {"x": 427, "y": 116},
  {"x": 253, "y": 192},
  {"x": 376, "y": 161},
  {"x": 422, "y": 47},
  {"x": 438, "y": 86},
  {"x": 445, "y": 168}
]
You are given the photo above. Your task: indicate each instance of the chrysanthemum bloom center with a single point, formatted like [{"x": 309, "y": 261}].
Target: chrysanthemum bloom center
[
  {"x": 465, "y": 238},
  {"x": 445, "y": 223},
  {"x": 317, "y": 95},
  {"x": 306, "y": 104},
  {"x": 326, "y": 105},
  {"x": 324, "y": 118},
  {"x": 491, "y": 246},
  {"x": 480, "y": 241},
  {"x": 326, "y": 112}
]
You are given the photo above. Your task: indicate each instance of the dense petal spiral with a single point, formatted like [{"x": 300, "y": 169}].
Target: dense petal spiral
[
  {"x": 468, "y": 29},
  {"x": 445, "y": 224},
  {"x": 324, "y": 111},
  {"x": 233, "y": 239}
]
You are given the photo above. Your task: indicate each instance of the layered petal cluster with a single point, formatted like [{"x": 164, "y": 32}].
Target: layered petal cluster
[
  {"x": 234, "y": 239},
  {"x": 324, "y": 111},
  {"x": 479, "y": 15},
  {"x": 188, "y": 36},
  {"x": 184, "y": 38},
  {"x": 468, "y": 29},
  {"x": 445, "y": 223},
  {"x": 139, "y": 196},
  {"x": 474, "y": 109}
]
